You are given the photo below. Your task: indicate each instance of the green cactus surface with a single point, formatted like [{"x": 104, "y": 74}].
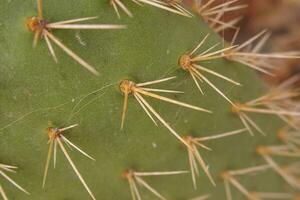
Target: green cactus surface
[{"x": 36, "y": 91}]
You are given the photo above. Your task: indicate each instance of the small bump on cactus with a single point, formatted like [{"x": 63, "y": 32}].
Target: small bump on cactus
[{"x": 42, "y": 29}]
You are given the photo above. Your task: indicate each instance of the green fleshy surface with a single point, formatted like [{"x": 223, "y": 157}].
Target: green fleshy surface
[{"x": 35, "y": 90}]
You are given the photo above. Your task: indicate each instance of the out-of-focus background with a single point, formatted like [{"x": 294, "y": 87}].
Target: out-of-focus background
[{"x": 282, "y": 18}]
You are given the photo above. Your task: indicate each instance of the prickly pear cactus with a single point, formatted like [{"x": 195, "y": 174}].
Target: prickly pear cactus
[{"x": 160, "y": 152}]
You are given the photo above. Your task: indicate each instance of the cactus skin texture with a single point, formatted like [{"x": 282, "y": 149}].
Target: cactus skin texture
[{"x": 35, "y": 90}]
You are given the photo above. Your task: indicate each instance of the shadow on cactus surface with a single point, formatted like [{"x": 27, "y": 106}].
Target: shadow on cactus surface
[{"x": 36, "y": 91}]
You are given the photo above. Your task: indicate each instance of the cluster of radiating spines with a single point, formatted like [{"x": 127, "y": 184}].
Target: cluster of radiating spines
[
  {"x": 290, "y": 137},
  {"x": 268, "y": 153},
  {"x": 56, "y": 138},
  {"x": 139, "y": 90},
  {"x": 275, "y": 102},
  {"x": 192, "y": 64},
  {"x": 231, "y": 180},
  {"x": 194, "y": 155},
  {"x": 272, "y": 103},
  {"x": 136, "y": 180},
  {"x": 173, "y": 6},
  {"x": 3, "y": 170},
  {"x": 42, "y": 29},
  {"x": 213, "y": 13},
  {"x": 249, "y": 53}
]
